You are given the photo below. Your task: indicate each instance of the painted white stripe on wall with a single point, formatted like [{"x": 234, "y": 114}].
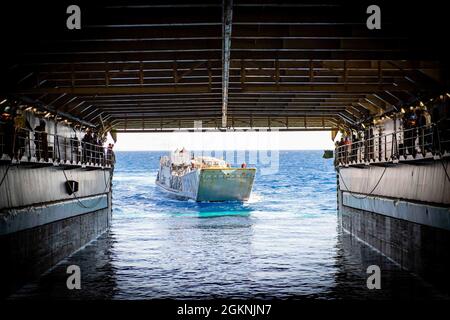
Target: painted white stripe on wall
[
  {"x": 26, "y": 186},
  {"x": 14, "y": 220},
  {"x": 427, "y": 183},
  {"x": 438, "y": 217}
]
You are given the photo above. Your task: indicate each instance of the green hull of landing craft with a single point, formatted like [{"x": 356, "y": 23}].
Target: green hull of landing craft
[
  {"x": 212, "y": 185},
  {"x": 225, "y": 184},
  {"x": 204, "y": 178},
  {"x": 328, "y": 154}
]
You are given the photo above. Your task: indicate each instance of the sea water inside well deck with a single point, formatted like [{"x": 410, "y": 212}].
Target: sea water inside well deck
[{"x": 285, "y": 242}]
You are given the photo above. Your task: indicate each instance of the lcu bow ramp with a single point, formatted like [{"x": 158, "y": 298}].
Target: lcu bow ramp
[{"x": 204, "y": 178}]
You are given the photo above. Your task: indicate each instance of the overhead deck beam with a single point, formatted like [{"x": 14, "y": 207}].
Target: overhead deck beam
[
  {"x": 54, "y": 110},
  {"x": 117, "y": 90},
  {"x": 225, "y": 63},
  {"x": 326, "y": 87}
]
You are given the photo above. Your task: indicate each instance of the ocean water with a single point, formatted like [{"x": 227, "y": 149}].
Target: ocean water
[{"x": 285, "y": 242}]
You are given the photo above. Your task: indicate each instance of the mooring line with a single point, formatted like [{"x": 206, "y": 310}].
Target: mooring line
[{"x": 370, "y": 193}]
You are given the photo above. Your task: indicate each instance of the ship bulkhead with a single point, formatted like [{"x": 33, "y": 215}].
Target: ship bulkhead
[
  {"x": 54, "y": 199},
  {"x": 394, "y": 194}
]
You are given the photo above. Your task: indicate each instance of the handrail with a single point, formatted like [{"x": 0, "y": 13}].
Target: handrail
[
  {"x": 404, "y": 144},
  {"x": 42, "y": 147}
]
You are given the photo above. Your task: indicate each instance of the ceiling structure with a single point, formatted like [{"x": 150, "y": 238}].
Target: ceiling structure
[{"x": 220, "y": 64}]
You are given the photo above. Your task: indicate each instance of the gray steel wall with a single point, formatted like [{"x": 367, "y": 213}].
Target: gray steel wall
[
  {"x": 25, "y": 186},
  {"x": 427, "y": 183},
  {"x": 29, "y": 253},
  {"x": 40, "y": 224},
  {"x": 414, "y": 231},
  {"x": 421, "y": 249}
]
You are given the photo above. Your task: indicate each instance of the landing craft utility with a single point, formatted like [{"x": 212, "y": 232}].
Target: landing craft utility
[{"x": 204, "y": 178}]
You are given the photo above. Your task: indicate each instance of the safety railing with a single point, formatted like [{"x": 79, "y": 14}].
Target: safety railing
[
  {"x": 25, "y": 146},
  {"x": 427, "y": 142}
]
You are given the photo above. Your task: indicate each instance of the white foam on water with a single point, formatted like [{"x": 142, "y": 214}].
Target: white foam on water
[{"x": 255, "y": 197}]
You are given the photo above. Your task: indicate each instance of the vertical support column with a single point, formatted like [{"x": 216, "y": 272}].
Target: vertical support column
[
  {"x": 106, "y": 74},
  {"x": 227, "y": 17},
  {"x": 242, "y": 74},
  {"x": 141, "y": 74},
  {"x": 277, "y": 74},
  {"x": 209, "y": 75},
  {"x": 380, "y": 74},
  {"x": 72, "y": 75},
  {"x": 175, "y": 72}
]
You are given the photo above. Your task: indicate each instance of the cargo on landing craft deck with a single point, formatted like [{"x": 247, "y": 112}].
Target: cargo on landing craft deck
[{"x": 204, "y": 178}]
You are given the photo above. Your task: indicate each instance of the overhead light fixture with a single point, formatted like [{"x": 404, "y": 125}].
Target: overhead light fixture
[
  {"x": 448, "y": 94},
  {"x": 421, "y": 104},
  {"x": 4, "y": 100},
  {"x": 403, "y": 110}
]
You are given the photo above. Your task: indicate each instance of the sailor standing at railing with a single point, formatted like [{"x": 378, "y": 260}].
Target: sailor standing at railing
[
  {"x": 354, "y": 146},
  {"x": 347, "y": 148},
  {"x": 423, "y": 136},
  {"x": 86, "y": 146},
  {"x": 8, "y": 131},
  {"x": 75, "y": 145},
  {"x": 410, "y": 132},
  {"x": 110, "y": 157},
  {"x": 20, "y": 134},
  {"x": 95, "y": 148},
  {"x": 440, "y": 116},
  {"x": 41, "y": 142}
]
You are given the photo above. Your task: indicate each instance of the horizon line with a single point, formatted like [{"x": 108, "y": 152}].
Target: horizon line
[{"x": 225, "y": 150}]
